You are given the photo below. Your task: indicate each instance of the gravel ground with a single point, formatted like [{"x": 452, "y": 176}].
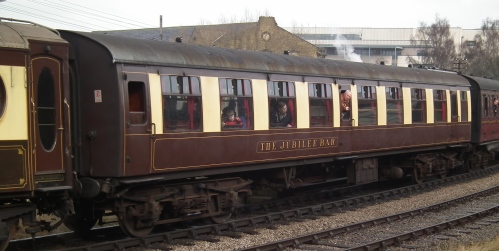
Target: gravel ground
[{"x": 362, "y": 214}]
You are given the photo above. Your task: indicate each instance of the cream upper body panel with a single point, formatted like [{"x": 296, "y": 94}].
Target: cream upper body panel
[
  {"x": 156, "y": 102},
  {"x": 14, "y": 121},
  {"x": 261, "y": 104},
  {"x": 302, "y": 101}
]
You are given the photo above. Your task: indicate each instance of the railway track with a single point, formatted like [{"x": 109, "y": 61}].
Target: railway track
[
  {"x": 397, "y": 228},
  {"x": 270, "y": 215}
]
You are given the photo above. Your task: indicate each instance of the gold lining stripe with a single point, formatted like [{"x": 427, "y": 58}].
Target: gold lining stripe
[{"x": 303, "y": 156}]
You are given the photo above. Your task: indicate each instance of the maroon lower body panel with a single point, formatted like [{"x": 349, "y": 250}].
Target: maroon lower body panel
[
  {"x": 490, "y": 131},
  {"x": 14, "y": 173},
  {"x": 177, "y": 152}
]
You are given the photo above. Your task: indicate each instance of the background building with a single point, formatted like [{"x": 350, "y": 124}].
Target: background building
[
  {"x": 373, "y": 45},
  {"x": 264, "y": 35},
  {"x": 369, "y": 45}
]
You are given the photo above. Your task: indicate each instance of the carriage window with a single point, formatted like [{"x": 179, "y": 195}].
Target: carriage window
[
  {"x": 418, "y": 98},
  {"x": 464, "y": 106},
  {"x": 137, "y": 102},
  {"x": 320, "y": 105},
  {"x": 45, "y": 109},
  {"x": 181, "y": 103},
  {"x": 282, "y": 102},
  {"x": 367, "y": 104},
  {"x": 394, "y": 107},
  {"x": 440, "y": 105},
  {"x": 453, "y": 105},
  {"x": 494, "y": 106},
  {"x": 237, "y": 103},
  {"x": 345, "y": 97},
  {"x": 3, "y": 98},
  {"x": 485, "y": 106}
]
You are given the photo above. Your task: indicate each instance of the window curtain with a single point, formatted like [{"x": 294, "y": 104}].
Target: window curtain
[
  {"x": 247, "y": 111},
  {"x": 190, "y": 110},
  {"x": 291, "y": 108}
]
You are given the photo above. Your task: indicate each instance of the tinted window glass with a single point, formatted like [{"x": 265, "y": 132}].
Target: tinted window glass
[
  {"x": 46, "y": 109},
  {"x": 320, "y": 108},
  {"x": 236, "y": 102},
  {"x": 367, "y": 105},
  {"x": 440, "y": 105},
  {"x": 137, "y": 102},
  {"x": 394, "y": 107},
  {"x": 182, "y": 110},
  {"x": 418, "y": 98},
  {"x": 3, "y": 98},
  {"x": 464, "y": 106},
  {"x": 282, "y": 104}
]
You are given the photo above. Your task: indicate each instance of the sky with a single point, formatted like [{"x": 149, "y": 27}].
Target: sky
[{"x": 90, "y": 15}]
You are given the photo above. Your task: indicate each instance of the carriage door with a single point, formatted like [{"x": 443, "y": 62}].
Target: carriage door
[
  {"x": 46, "y": 113},
  {"x": 139, "y": 130}
]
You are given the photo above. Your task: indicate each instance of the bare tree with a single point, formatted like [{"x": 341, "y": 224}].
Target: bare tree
[
  {"x": 483, "y": 53},
  {"x": 436, "y": 44},
  {"x": 247, "y": 17}
]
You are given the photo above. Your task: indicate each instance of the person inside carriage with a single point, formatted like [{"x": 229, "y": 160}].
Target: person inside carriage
[
  {"x": 345, "y": 97},
  {"x": 230, "y": 120},
  {"x": 281, "y": 117}
]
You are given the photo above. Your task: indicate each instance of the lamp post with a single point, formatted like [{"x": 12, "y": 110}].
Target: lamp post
[{"x": 459, "y": 64}]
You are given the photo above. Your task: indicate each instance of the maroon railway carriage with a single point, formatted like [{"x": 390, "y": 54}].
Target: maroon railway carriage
[
  {"x": 144, "y": 134},
  {"x": 485, "y": 122},
  {"x": 35, "y": 168},
  {"x": 151, "y": 145}
]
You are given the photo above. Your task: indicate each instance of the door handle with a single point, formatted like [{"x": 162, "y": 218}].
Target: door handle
[{"x": 153, "y": 130}]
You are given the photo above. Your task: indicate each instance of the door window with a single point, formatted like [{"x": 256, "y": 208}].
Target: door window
[
  {"x": 45, "y": 109},
  {"x": 137, "y": 102},
  {"x": 3, "y": 98}
]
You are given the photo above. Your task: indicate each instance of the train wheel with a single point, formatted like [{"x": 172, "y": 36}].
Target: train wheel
[
  {"x": 417, "y": 177},
  {"x": 82, "y": 222},
  {"x": 84, "y": 218},
  {"x": 128, "y": 223},
  {"x": 12, "y": 227}
]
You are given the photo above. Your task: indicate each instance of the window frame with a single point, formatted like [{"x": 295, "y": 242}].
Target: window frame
[
  {"x": 191, "y": 95},
  {"x": 485, "y": 103},
  {"x": 439, "y": 106},
  {"x": 464, "y": 106},
  {"x": 320, "y": 93},
  {"x": 421, "y": 99},
  {"x": 276, "y": 94},
  {"x": 493, "y": 111},
  {"x": 367, "y": 95},
  {"x": 398, "y": 101},
  {"x": 137, "y": 102},
  {"x": 241, "y": 90},
  {"x": 3, "y": 98},
  {"x": 46, "y": 110}
]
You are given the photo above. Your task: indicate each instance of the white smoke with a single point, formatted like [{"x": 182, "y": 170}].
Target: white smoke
[{"x": 345, "y": 49}]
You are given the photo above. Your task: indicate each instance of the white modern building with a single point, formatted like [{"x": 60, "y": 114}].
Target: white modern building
[{"x": 373, "y": 45}]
